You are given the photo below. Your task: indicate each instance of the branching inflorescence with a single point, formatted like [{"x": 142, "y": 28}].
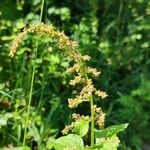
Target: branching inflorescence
[{"x": 81, "y": 71}]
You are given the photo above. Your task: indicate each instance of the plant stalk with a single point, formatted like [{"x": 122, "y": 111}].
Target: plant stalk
[
  {"x": 92, "y": 121},
  {"x": 41, "y": 13},
  {"x": 92, "y": 116},
  {"x": 31, "y": 86},
  {"x": 28, "y": 108}
]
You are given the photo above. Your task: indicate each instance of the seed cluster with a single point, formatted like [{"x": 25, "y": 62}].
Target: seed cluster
[
  {"x": 63, "y": 41},
  {"x": 88, "y": 89},
  {"x": 76, "y": 118},
  {"x": 82, "y": 71},
  {"x": 99, "y": 116}
]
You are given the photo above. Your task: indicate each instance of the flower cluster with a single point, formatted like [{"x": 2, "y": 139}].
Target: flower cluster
[
  {"x": 101, "y": 94},
  {"x": 84, "y": 94},
  {"x": 99, "y": 116},
  {"x": 69, "y": 47},
  {"x": 87, "y": 91},
  {"x": 76, "y": 118},
  {"x": 76, "y": 80},
  {"x": 93, "y": 71},
  {"x": 68, "y": 128},
  {"x": 63, "y": 41},
  {"x": 76, "y": 68}
]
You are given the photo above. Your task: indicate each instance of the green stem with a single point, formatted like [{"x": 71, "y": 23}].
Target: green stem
[
  {"x": 31, "y": 86},
  {"x": 42, "y": 7},
  {"x": 28, "y": 108},
  {"x": 92, "y": 116},
  {"x": 92, "y": 121}
]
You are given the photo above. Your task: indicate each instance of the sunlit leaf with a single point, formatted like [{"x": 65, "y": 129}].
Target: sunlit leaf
[
  {"x": 70, "y": 141},
  {"x": 3, "y": 121},
  {"x": 81, "y": 127},
  {"x": 109, "y": 132}
]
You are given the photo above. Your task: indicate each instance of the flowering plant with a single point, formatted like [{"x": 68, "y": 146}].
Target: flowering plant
[{"x": 82, "y": 125}]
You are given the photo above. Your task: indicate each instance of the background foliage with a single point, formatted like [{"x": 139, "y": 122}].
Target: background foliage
[{"x": 114, "y": 33}]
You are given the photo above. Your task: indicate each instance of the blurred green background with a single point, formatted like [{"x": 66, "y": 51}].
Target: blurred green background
[{"x": 115, "y": 33}]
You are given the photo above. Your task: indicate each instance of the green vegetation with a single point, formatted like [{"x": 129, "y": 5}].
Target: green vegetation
[{"x": 47, "y": 68}]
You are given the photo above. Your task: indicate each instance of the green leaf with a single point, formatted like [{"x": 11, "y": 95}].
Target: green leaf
[
  {"x": 5, "y": 94},
  {"x": 70, "y": 141},
  {"x": 54, "y": 59},
  {"x": 15, "y": 148},
  {"x": 109, "y": 144},
  {"x": 50, "y": 142},
  {"x": 106, "y": 139},
  {"x": 110, "y": 131},
  {"x": 81, "y": 127},
  {"x": 3, "y": 121},
  {"x": 33, "y": 132}
]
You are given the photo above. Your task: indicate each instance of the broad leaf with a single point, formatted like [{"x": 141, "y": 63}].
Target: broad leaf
[
  {"x": 110, "y": 131},
  {"x": 106, "y": 139},
  {"x": 15, "y": 148},
  {"x": 3, "y": 121},
  {"x": 70, "y": 141},
  {"x": 33, "y": 132},
  {"x": 81, "y": 128},
  {"x": 50, "y": 142},
  {"x": 109, "y": 144}
]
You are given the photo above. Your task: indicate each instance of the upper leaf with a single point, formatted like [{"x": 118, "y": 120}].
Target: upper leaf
[
  {"x": 110, "y": 131},
  {"x": 81, "y": 127},
  {"x": 71, "y": 141},
  {"x": 106, "y": 139},
  {"x": 109, "y": 144}
]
